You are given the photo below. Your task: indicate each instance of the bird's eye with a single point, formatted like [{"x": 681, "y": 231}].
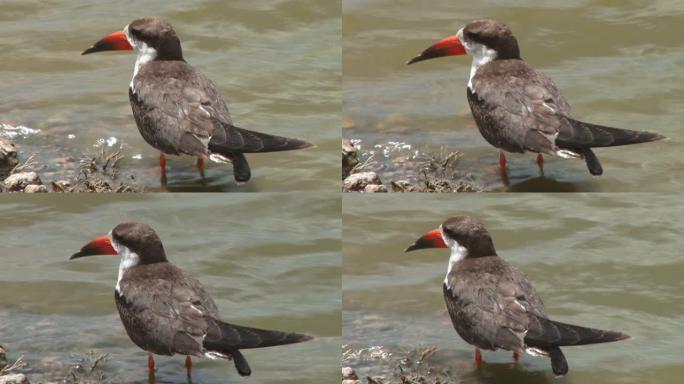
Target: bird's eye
[{"x": 470, "y": 35}]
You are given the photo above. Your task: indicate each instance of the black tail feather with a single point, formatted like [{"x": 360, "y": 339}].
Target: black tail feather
[
  {"x": 586, "y": 135},
  {"x": 241, "y": 363},
  {"x": 224, "y": 337},
  {"x": 552, "y": 334},
  {"x": 558, "y": 363},
  {"x": 233, "y": 139}
]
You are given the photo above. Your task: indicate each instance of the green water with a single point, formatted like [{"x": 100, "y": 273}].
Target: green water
[
  {"x": 608, "y": 261},
  {"x": 617, "y": 63},
  {"x": 269, "y": 261},
  {"x": 276, "y": 62}
]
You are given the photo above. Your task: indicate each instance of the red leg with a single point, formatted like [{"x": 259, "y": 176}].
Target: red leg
[
  {"x": 540, "y": 162},
  {"x": 516, "y": 356},
  {"x": 150, "y": 362},
  {"x": 188, "y": 364},
  {"x": 478, "y": 357},
  {"x": 162, "y": 163},
  {"x": 502, "y": 162},
  {"x": 200, "y": 165}
]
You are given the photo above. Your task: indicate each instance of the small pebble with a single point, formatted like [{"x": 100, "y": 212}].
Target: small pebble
[
  {"x": 16, "y": 378},
  {"x": 348, "y": 373}
]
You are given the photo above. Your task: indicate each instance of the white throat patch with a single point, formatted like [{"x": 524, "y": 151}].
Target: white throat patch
[
  {"x": 128, "y": 259},
  {"x": 145, "y": 55},
  {"x": 458, "y": 253},
  {"x": 481, "y": 56}
]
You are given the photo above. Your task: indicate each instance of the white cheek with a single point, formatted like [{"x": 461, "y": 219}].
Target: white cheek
[
  {"x": 481, "y": 56},
  {"x": 458, "y": 253},
  {"x": 128, "y": 259},
  {"x": 145, "y": 55}
]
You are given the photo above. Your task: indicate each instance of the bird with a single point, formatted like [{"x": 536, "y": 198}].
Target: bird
[
  {"x": 519, "y": 109},
  {"x": 493, "y": 305},
  {"x": 165, "y": 311},
  {"x": 177, "y": 109}
]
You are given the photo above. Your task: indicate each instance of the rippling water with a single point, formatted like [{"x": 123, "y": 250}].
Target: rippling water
[
  {"x": 277, "y": 62},
  {"x": 609, "y": 261},
  {"x": 617, "y": 63},
  {"x": 265, "y": 267}
]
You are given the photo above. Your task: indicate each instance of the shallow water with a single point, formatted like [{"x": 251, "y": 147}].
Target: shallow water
[
  {"x": 268, "y": 267},
  {"x": 276, "y": 62},
  {"x": 617, "y": 64},
  {"x": 608, "y": 261}
]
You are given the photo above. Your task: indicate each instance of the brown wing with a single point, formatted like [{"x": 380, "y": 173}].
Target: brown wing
[
  {"x": 181, "y": 108},
  {"x": 525, "y": 104},
  {"x": 174, "y": 313},
  {"x": 492, "y": 304}
]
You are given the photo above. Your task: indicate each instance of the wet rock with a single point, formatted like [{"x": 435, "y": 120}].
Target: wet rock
[
  {"x": 348, "y": 373},
  {"x": 3, "y": 358},
  {"x": 358, "y": 181},
  {"x": 15, "y": 378},
  {"x": 35, "y": 188},
  {"x": 349, "y": 157},
  {"x": 18, "y": 181},
  {"x": 375, "y": 188},
  {"x": 8, "y": 154}
]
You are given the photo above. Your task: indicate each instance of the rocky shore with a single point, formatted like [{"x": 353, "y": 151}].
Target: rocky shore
[
  {"x": 406, "y": 169},
  {"x": 95, "y": 173},
  {"x": 87, "y": 369}
]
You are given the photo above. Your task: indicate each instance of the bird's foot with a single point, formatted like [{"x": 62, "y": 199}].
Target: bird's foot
[
  {"x": 516, "y": 356},
  {"x": 478, "y": 357}
]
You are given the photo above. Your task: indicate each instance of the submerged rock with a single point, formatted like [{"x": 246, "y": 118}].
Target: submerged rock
[{"x": 18, "y": 181}]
